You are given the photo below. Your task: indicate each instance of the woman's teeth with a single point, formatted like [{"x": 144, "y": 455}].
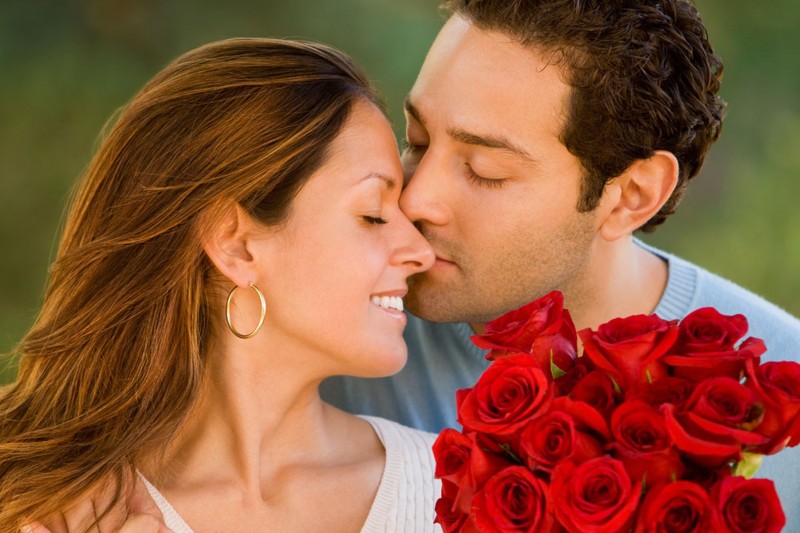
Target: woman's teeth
[{"x": 389, "y": 302}]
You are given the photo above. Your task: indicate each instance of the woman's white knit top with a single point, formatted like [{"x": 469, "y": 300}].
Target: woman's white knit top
[{"x": 406, "y": 495}]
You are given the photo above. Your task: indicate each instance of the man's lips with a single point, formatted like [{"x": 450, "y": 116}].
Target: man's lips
[{"x": 441, "y": 261}]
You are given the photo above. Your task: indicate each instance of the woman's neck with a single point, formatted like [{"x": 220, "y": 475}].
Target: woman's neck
[
  {"x": 261, "y": 447},
  {"x": 258, "y": 413}
]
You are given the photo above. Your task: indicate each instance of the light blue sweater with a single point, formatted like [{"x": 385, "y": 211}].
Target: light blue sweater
[{"x": 442, "y": 359}]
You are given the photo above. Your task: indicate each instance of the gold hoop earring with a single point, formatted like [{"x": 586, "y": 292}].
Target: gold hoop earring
[{"x": 260, "y": 319}]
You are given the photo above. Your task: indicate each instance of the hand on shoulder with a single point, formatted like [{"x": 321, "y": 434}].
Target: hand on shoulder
[{"x": 136, "y": 513}]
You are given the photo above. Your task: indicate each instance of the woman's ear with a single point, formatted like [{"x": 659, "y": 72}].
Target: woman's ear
[
  {"x": 226, "y": 244},
  {"x": 633, "y": 197}
]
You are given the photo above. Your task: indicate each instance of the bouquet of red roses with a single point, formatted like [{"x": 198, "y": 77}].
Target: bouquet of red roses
[{"x": 658, "y": 426}]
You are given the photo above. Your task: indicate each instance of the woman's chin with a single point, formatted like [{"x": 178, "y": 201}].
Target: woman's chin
[{"x": 385, "y": 363}]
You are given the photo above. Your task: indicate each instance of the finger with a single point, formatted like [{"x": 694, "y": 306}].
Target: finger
[
  {"x": 80, "y": 517},
  {"x": 54, "y": 523},
  {"x": 110, "y": 517},
  {"x": 95, "y": 509},
  {"x": 141, "y": 502},
  {"x": 144, "y": 523},
  {"x": 34, "y": 527}
]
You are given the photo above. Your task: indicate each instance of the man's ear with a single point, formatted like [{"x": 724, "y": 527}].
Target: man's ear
[
  {"x": 226, "y": 244},
  {"x": 633, "y": 197}
]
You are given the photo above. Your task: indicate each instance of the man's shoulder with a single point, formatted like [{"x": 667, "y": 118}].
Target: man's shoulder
[
  {"x": 452, "y": 337},
  {"x": 691, "y": 287}
]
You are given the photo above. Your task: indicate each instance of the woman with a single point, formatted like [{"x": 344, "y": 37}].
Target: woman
[{"x": 236, "y": 239}]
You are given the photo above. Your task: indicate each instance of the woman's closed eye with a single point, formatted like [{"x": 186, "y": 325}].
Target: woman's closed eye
[{"x": 373, "y": 220}]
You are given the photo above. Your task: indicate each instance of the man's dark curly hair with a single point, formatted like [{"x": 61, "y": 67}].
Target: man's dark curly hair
[{"x": 643, "y": 77}]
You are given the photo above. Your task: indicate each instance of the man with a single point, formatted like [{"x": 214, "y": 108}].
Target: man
[{"x": 541, "y": 134}]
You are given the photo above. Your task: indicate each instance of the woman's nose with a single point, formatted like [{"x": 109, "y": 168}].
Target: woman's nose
[{"x": 415, "y": 253}]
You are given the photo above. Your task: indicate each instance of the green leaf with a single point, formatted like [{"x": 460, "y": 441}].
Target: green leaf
[
  {"x": 557, "y": 372},
  {"x": 507, "y": 448},
  {"x": 749, "y": 465},
  {"x": 616, "y": 385}
]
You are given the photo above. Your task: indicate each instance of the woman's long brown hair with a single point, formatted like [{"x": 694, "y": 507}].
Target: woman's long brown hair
[{"x": 115, "y": 359}]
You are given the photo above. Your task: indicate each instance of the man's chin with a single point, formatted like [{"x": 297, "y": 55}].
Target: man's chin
[
  {"x": 424, "y": 303},
  {"x": 434, "y": 305}
]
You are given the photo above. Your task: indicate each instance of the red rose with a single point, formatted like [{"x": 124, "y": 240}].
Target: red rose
[
  {"x": 513, "y": 500},
  {"x": 558, "y": 436},
  {"x": 716, "y": 422},
  {"x": 731, "y": 363},
  {"x": 566, "y": 382},
  {"x": 705, "y": 476},
  {"x": 706, "y": 345},
  {"x": 778, "y": 385},
  {"x": 630, "y": 348},
  {"x": 643, "y": 444},
  {"x": 668, "y": 389},
  {"x": 706, "y": 330},
  {"x": 509, "y": 393},
  {"x": 542, "y": 328},
  {"x": 597, "y": 495},
  {"x": 745, "y": 505},
  {"x": 597, "y": 389},
  {"x": 448, "y": 515},
  {"x": 452, "y": 451},
  {"x": 680, "y": 507},
  {"x": 465, "y": 461},
  {"x": 724, "y": 406},
  {"x": 706, "y": 449}
]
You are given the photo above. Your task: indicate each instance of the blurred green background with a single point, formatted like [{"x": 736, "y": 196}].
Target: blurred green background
[{"x": 68, "y": 64}]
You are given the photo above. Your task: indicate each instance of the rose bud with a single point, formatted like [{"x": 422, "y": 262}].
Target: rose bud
[
  {"x": 706, "y": 330},
  {"x": 731, "y": 363},
  {"x": 630, "y": 348},
  {"x": 513, "y": 500},
  {"x": 747, "y": 505},
  {"x": 706, "y": 346},
  {"x": 571, "y": 430},
  {"x": 597, "y": 495},
  {"x": 679, "y": 507},
  {"x": 465, "y": 462},
  {"x": 542, "y": 328},
  {"x": 643, "y": 444},
  {"x": 448, "y": 515},
  {"x": 704, "y": 476},
  {"x": 511, "y": 392},
  {"x": 778, "y": 386},
  {"x": 597, "y": 389},
  {"x": 567, "y": 381},
  {"x": 716, "y": 422},
  {"x": 668, "y": 389}
]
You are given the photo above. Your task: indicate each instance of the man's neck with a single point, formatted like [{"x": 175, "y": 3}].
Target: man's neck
[
  {"x": 633, "y": 281},
  {"x": 623, "y": 280}
]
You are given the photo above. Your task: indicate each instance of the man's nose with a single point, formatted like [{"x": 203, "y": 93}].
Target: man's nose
[{"x": 424, "y": 199}]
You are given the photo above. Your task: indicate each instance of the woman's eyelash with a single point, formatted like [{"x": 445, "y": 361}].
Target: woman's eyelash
[
  {"x": 406, "y": 146},
  {"x": 483, "y": 182},
  {"x": 374, "y": 220}
]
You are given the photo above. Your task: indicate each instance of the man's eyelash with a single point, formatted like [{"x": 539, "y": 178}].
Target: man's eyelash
[
  {"x": 374, "y": 220},
  {"x": 483, "y": 182}
]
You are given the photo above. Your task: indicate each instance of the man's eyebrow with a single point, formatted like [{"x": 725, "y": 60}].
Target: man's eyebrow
[{"x": 489, "y": 141}]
